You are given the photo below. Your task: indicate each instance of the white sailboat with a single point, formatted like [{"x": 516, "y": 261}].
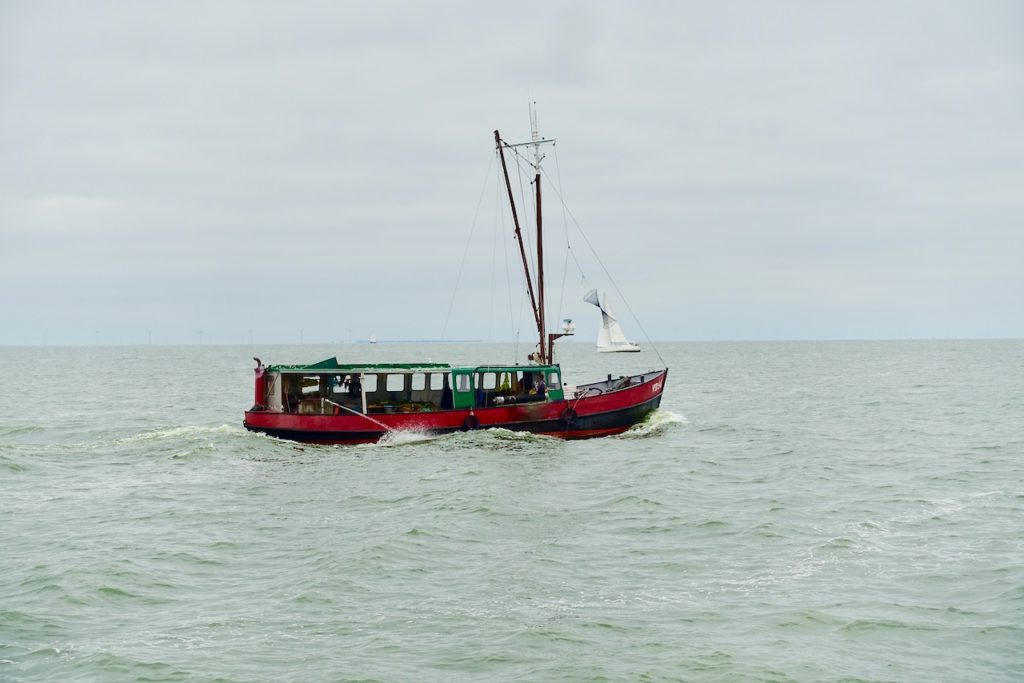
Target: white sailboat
[{"x": 610, "y": 337}]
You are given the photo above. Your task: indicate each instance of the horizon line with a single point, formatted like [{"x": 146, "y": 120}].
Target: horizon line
[{"x": 363, "y": 342}]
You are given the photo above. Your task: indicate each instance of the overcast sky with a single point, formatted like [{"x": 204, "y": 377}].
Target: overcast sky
[{"x": 744, "y": 170}]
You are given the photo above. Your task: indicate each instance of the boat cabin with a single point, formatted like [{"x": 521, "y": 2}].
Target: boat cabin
[{"x": 330, "y": 388}]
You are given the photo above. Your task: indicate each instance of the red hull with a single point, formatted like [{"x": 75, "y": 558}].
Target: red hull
[{"x": 602, "y": 409}]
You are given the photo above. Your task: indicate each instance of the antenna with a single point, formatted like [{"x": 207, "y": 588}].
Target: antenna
[{"x": 535, "y": 138}]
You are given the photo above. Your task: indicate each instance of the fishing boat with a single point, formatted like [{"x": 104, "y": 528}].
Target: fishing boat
[
  {"x": 610, "y": 337},
  {"x": 338, "y": 403}
]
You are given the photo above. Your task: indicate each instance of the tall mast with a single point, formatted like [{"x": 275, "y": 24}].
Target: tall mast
[
  {"x": 535, "y": 137},
  {"x": 538, "y": 306}
]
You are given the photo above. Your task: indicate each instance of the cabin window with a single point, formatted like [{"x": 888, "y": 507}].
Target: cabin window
[
  {"x": 437, "y": 381},
  {"x": 525, "y": 381},
  {"x": 343, "y": 384},
  {"x": 419, "y": 381},
  {"x": 369, "y": 383},
  {"x": 462, "y": 382},
  {"x": 490, "y": 380},
  {"x": 396, "y": 382},
  {"x": 553, "y": 381},
  {"x": 311, "y": 386}
]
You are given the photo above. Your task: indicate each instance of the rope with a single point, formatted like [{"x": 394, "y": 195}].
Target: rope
[
  {"x": 362, "y": 415},
  {"x": 565, "y": 228},
  {"x": 607, "y": 274},
  {"x": 494, "y": 258},
  {"x": 465, "y": 251},
  {"x": 522, "y": 199},
  {"x": 530, "y": 251},
  {"x": 521, "y": 163},
  {"x": 508, "y": 276}
]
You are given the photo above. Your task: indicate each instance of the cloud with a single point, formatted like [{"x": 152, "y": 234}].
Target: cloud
[{"x": 207, "y": 166}]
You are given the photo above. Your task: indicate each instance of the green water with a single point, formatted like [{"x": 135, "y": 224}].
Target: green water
[{"x": 794, "y": 512}]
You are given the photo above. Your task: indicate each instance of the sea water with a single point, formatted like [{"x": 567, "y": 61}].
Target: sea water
[{"x": 817, "y": 511}]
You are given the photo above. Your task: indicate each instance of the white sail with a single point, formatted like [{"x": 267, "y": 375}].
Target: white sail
[{"x": 610, "y": 336}]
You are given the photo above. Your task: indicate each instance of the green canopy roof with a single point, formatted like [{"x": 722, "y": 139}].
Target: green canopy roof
[{"x": 333, "y": 364}]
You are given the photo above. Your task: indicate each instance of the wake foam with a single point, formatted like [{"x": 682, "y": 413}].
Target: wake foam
[
  {"x": 180, "y": 433},
  {"x": 655, "y": 424},
  {"x": 403, "y": 438}
]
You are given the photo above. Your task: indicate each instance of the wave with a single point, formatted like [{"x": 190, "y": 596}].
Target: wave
[
  {"x": 493, "y": 436},
  {"x": 10, "y": 464},
  {"x": 26, "y": 429},
  {"x": 503, "y": 434},
  {"x": 180, "y": 432},
  {"x": 403, "y": 438},
  {"x": 656, "y": 424},
  {"x": 167, "y": 433}
]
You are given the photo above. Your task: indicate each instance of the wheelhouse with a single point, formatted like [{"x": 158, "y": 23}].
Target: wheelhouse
[{"x": 489, "y": 386}]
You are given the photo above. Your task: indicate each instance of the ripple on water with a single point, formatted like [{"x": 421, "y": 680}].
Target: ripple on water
[{"x": 812, "y": 517}]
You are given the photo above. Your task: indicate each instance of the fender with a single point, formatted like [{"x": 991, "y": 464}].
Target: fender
[{"x": 568, "y": 417}]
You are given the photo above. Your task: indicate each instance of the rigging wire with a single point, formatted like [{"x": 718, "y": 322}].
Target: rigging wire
[
  {"x": 606, "y": 272},
  {"x": 490, "y": 308},
  {"x": 465, "y": 251},
  {"x": 524, "y": 235},
  {"x": 525, "y": 168},
  {"x": 499, "y": 221},
  {"x": 522, "y": 200},
  {"x": 521, "y": 163},
  {"x": 565, "y": 229},
  {"x": 501, "y": 231}
]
